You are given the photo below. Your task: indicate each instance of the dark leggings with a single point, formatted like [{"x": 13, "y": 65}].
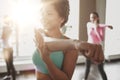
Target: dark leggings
[
  {"x": 9, "y": 63},
  {"x": 100, "y": 68}
]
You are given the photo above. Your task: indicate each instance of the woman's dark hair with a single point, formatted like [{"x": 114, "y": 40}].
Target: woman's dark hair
[
  {"x": 62, "y": 7},
  {"x": 95, "y": 13}
]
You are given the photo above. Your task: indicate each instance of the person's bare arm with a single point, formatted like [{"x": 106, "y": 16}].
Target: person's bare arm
[
  {"x": 69, "y": 63},
  {"x": 70, "y": 58},
  {"x": 52, "y": 43},
  {"x": 92, "y": 50}
]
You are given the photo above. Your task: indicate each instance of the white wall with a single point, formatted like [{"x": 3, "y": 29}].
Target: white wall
[
  {"x": 73, "y": 21},
  {"x": 112, "y": 40},
  {"x": 5, "y": 7}
]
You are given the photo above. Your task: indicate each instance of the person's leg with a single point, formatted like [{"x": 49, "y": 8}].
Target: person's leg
[
  {"x": 13, "y": 71},
  {"x": 88, "y": 65},
  {"x": 102, "y": 71},
  {"x": 6, "y": 58},
  {"x": 8, "y": 67}
]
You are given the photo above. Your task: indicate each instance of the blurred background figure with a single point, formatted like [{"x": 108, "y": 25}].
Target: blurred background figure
[
  {"x": 8, "y": 49},
  {"x": 96, "y": 34}
]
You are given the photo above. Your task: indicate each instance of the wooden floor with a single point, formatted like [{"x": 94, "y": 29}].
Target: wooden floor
[
  {"x": 112, "y": 69},
  {"x": 23, "y": 75}
]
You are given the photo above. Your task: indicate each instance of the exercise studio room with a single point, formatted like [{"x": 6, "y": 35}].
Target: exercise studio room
[{"x": 59, "y": 40}]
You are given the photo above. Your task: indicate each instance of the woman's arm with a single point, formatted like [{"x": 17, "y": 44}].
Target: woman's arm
[
  {"x": 104, "y": 25},
  {"x": 68, "y": 66},
  {"x": 92, "y": 50},
  {"x": 54, "y": 72},
  {"x": 53, "y": 44}
]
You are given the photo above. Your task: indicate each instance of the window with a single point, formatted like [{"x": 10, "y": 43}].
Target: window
[{"x": 22, "y": 12}]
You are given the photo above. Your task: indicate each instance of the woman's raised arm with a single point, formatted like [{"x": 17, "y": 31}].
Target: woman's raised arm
[{"x": 92, "y": 51}]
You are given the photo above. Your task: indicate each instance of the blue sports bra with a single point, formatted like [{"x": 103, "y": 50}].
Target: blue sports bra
[{"x": 57, "y": 58}]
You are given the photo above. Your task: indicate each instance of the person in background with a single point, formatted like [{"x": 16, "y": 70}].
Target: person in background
[
  {"x": 7, "y": 48},
  {"x": 96, "y": 34},
  {"x": 56, "y": 55}
]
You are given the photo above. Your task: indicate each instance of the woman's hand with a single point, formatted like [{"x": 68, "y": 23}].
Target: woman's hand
[
  {"x": 93, "y": 52},
  {"x": 110, "y": 27},
  {"x": 42, "y": 48}
]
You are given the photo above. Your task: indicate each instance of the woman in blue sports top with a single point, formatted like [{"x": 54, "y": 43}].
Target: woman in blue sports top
[{"x": 56, "y": 54}]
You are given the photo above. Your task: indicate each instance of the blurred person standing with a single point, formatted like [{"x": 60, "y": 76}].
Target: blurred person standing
[
  {"x": 7, "y": 48},
  {"x": 96, "y": 34}
]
